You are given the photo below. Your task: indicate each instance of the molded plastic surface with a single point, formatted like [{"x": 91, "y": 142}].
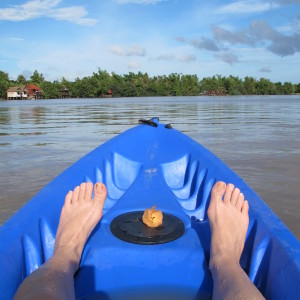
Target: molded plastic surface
[{"x": 142, "y": 167}]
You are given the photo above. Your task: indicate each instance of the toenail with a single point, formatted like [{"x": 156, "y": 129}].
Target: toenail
[
  {"x": 231, "y": 186},
  {"x": 99, "y": 186},
  {"x": 220, "y": 186}
]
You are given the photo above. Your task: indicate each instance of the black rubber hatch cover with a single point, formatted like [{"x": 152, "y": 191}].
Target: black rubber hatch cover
[{"x": 129, "y": 227}]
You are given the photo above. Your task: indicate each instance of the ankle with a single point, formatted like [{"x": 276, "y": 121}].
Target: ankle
[
  {"x": 221, "y": 261},
  {"x": 63, "y": 261}
]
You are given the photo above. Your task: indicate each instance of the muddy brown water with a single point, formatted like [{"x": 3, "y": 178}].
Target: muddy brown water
[{"x": 258, "y": 137}]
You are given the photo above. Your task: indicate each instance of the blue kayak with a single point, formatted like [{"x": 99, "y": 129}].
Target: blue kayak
[{"x": 150, "y": 164}]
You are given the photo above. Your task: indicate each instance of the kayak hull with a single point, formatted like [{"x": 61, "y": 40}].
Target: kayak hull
[{"x": 142, "y": 167}]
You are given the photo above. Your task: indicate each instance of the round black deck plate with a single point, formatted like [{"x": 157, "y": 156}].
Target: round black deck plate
[{"x": 129, "y": 227}]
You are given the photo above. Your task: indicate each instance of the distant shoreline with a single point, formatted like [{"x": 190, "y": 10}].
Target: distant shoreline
[
  {"x": 93, "y": 98},
  {"x": 102, "y": 84}
]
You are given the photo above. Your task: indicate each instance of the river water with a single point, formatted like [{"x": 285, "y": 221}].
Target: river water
[{"x": 259, "y": 137}]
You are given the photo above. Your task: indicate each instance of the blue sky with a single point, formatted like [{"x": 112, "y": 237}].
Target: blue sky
[{"x": 73, "y": 38}]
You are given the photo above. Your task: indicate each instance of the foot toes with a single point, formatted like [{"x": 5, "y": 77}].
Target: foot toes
[
  {"x": 75, "y": 194},
  {"x": 245, "y": 208},
  {"x": 100, "y": 195},
  {"x": 228, "y": 193},
  {"x": 217, "y": 192},
  {"x": 68, "y": 199},
  {"x": 235, "y": 195},
  {"x": 82, "y": 192},
  {"x": 88, "y": 191},
  {"x": 240, "y": 202}
]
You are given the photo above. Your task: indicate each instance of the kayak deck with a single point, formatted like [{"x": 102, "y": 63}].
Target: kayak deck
[{"x": 146, "y": 166}]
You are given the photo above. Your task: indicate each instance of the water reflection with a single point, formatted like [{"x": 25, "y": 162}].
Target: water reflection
[{"x": 257, "y": 136}]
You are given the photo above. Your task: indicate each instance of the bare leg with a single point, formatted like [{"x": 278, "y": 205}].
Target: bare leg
[
  {"x": 229, "y": 220},
  {"x": 79, "y": 216}
]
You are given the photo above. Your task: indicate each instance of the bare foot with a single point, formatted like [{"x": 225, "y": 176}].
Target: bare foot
[
  {"x": 79, "y": 216},
  {"x": 229, "y": 222}
]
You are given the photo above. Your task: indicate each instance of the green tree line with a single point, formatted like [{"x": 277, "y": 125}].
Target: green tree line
[{"x": 141, "y": 84}]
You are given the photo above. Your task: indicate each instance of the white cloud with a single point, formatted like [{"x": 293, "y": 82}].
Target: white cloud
[
  {"x": 187, "y": 58},
  {"x": 133, "y": 65},
  {"x": 171, "y": 57},
  {"x": 291, "y": 27},
  {"x": 265, "y": 70},
  {"x": 289, "y": 1},
  {"x": 128, "y": 51},
  {"x": 74, "y": 14},
  {"x": 138, "y": 1},
  {"x": 180, "y": 39},
  {"x": 227, "y": 57},
  {"x": 163, "y": 57},
  {"x": 34, "y": 9},
  {"x": 15, "y": 39},
  {"x": 206, "y": 44},
  {"x": 246, "y": 7},
  {"x": 260, "y": 33}
]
